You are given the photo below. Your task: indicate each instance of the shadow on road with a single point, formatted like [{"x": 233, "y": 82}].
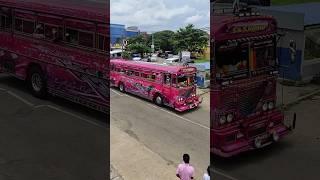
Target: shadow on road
[{"x": 20, "y": 87}]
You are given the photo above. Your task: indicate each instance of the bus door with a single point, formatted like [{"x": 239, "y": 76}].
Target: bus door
[{"x": 166, "y": 89}]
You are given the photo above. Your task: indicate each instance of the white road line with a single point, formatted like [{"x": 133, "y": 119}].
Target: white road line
[
  {"x": 116, "y": 92},
  {"x": 20, "y": 98},
  {"x": 71, "y": 114},
  {"x": 1, "y": 89},
  {"x": 171, "y": 113},
  {"x": 224, "y": 175}
]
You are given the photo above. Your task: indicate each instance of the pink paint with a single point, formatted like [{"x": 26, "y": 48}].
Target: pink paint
[
  {"x": 241, "y": 96},
  {"x": 148, "y": 80},
  {"x": 73, "y": 71}
]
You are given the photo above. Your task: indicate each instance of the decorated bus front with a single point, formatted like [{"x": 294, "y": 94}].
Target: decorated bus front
[
  {"x": 184, "y": 89},
  {"x": 243, "y": 96}
]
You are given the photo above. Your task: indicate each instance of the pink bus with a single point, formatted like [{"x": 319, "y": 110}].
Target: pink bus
[
  {"x": 173, "y": 86},
  {"x": 58, "y": 47},
  {"x": 244, "y": 115}
]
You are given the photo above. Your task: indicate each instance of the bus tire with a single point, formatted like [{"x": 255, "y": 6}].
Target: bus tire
[
  {"x": 121, "y": 87},
  {"x": 158, "y": 100},
  {"x": 37, "y": 82}
]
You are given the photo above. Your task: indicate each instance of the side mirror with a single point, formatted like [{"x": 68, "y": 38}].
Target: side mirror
[{"x": 293, "y": 51}]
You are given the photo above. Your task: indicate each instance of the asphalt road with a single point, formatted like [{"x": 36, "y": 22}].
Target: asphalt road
[
  {"x": 49, "y": 139},
  {"x": 165, "y": 132}
]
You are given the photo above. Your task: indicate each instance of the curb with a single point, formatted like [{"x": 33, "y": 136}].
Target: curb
[{"x": 299, "y": 99}]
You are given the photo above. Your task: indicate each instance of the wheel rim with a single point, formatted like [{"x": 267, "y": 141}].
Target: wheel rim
[
  {"x": 36, "y": 82},
  {"x": 159, "y": 100}
]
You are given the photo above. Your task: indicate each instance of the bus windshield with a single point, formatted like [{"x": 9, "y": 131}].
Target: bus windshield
[{"x": 185, "y": 80}]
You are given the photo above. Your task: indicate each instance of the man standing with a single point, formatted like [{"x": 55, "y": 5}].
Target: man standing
[{"x": 185, "y": 171}]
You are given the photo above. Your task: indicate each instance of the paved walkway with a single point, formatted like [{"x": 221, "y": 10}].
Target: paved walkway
[{"x": 132, "y": 160}]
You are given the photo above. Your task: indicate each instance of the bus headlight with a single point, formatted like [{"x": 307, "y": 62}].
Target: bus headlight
[
  {"x": 265, "y": 107},
  {"x": 222, "y": 119},
  {"x": 230, "y": 118},
  {"x": 270, "y": 105}
]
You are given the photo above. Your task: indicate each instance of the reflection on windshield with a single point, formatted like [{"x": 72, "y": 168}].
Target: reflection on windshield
[{"x": 186, "y": 81}]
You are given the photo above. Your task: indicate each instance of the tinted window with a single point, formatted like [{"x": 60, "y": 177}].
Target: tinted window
[
  {"x": 72, "y": 36},
  {"x": 18, "y": 25},
  {"x": 85, "y": 39},
  {"x": 28, "y": 27}
]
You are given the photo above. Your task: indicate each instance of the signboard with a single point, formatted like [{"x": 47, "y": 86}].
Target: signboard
[{"x": 245, "y": 27}]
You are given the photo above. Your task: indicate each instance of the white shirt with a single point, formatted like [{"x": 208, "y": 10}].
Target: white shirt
[{"x": 206, "y": 176}]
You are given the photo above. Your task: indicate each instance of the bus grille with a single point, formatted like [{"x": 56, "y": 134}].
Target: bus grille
[
  {"x": 256, "y": 132},
  {"x": 249, "y": 99}
]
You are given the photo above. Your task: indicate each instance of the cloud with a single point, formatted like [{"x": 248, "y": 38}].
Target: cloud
[
  {"x": 151, "y": 15},
  {"x": 193, "y": 19}
]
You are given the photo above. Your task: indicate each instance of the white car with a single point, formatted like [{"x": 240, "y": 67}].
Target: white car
[
  {"x": 172, "y": 60},
  {"x": 153, "y": 58}
]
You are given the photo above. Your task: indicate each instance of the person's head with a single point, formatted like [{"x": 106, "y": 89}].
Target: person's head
[
  {"x": 208, "y": 170},
  {"x": 186, "y": 158}
]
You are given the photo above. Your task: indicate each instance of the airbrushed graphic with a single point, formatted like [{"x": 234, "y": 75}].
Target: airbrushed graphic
[{"x": 77, "y": 73}]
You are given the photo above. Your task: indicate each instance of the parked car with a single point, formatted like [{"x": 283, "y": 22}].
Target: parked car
[
  {"x": 172, "y": 60},
  {"x": 153, "y": 58},
  {"x": 136, "y": 57}
]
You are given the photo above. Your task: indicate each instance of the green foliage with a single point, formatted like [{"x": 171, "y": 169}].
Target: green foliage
[
  {"x": 191, "y": 39},
  {"x": 138, "y": 48},
  {"x": 164, "y": 40},
  {"x": 126, "y": 55}
]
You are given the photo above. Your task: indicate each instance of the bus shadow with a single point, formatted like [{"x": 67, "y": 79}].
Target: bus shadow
[
  {"x": 150, "y": 102},
  {"x": 21, "y": 88},
  {"x": 250, "y": 157}
]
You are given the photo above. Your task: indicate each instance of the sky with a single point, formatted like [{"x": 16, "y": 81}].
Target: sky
[{"x": 155, "y": 15}]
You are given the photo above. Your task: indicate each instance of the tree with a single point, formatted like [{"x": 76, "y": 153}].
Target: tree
[
  {"x": 138, "y": 48},
  {"x": 164, "y": 40},
  {"x": 191, "y": 39}
]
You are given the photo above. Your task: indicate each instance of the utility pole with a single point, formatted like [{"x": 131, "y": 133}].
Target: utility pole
[{"x": 152, "y": 45}]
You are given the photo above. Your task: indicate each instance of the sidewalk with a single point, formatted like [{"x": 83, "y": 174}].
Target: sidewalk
[
  {"x": 132, "y": 160},
  {"x": 295, "y": 94}
]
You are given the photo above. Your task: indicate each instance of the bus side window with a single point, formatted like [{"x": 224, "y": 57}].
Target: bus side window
[
  {"x": 72, "y": 36},
  {"x": 18, "y": 25},
  {"x": 167, "y": 79},
  {"x": 136, "y": 73},
  {"x": 53, "y": 32},
  {"x": 174, "y": 80},
  {"x": 101, "y": 43},
  {"x": 86, "y": 39}
]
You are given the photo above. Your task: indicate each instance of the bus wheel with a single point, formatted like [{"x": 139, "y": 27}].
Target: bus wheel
[
  {"x": 121, "y": 87},
  {"x": 158, "y": 100},
  {"x": 37, "y": 82}
]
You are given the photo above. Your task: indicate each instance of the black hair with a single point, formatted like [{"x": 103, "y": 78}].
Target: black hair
[{"x": 186, "y": 158}]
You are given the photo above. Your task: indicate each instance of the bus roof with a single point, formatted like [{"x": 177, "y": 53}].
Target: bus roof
[
  {"x": 153, "y": 66},
  {"x": 80, "y": 9},
  {"x": 242, "y": 26}
]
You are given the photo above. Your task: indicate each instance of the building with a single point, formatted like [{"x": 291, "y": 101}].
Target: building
[
  {"x": 299, "y": 45},
  {"x": 119, "y": 33}
]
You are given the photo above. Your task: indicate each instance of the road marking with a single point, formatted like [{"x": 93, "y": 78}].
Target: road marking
[
  {"x": 116, "y": 92},
  {"x": 224, "y": 175},
  {"x": 181, "y": 117},
  {"x": 1, "y": 89},
  {"x": 20, "y": 98},
  {"x": 70, "y": 113}
]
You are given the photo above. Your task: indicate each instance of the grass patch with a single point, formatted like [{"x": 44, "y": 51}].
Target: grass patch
[
  {"x": 283, "y": 2},
  {"x": 201, "y": 60}
]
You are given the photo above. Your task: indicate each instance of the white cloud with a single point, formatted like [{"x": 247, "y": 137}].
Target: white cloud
[
  {"x": 152, "y": 15},
  {"x": 193, "y": 19}
]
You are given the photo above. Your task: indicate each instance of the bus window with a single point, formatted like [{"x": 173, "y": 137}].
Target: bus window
[
  {"x": 72, "y": 36},
  {"x": 28, "y": 26},
  {"x": 18, "y": 25},
  {"x": 86, "y": 39},
  {"x": 5, "y": 18},
  {"x": 137, "y": 74},
  {"x": 167, "y": 79},
  {"x": 24, "y": 26},
  {"x": 102, "y": 43},
  {"x": 52, "y": 32}
]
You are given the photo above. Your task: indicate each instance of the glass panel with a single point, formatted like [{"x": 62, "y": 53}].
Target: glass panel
[{"x": 85, "y": 39}]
